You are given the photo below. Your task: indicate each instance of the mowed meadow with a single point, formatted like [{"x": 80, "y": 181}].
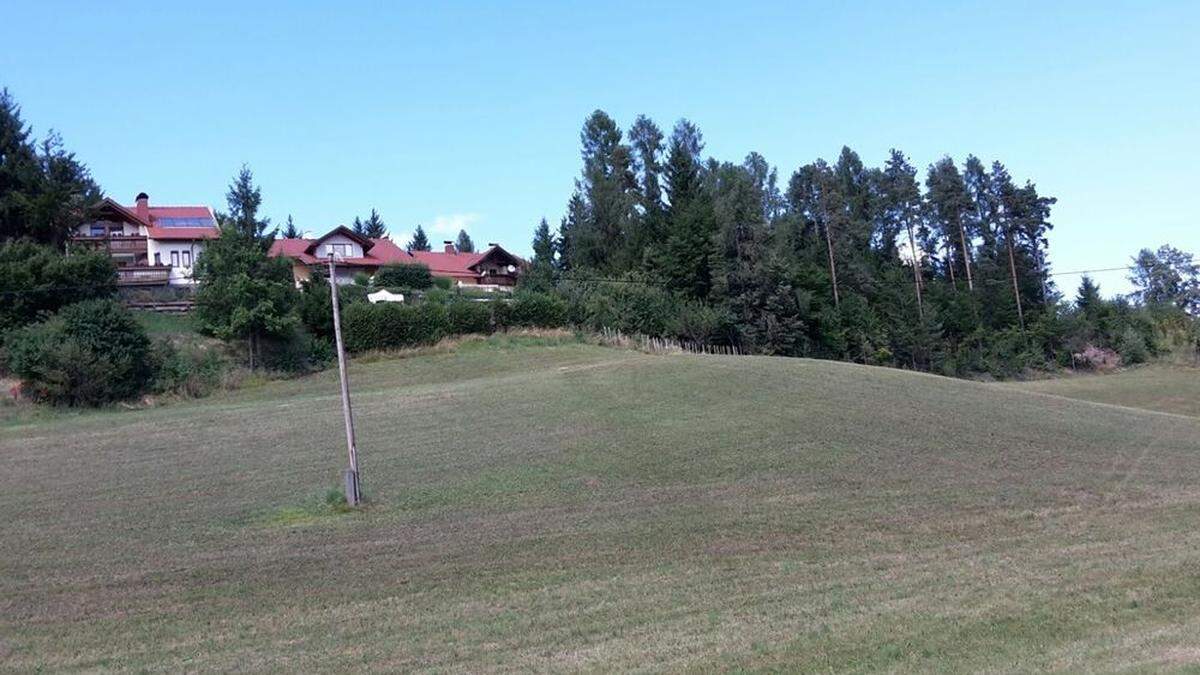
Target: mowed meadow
[{"x": 545, "y": 504}]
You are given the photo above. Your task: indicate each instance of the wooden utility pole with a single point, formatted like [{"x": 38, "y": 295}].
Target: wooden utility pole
[{"x": 350, "y": 476}]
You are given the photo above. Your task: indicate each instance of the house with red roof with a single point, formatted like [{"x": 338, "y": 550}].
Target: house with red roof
[
  {"x": 491, "y": 269},
  {"x": 151, "y": 245}
]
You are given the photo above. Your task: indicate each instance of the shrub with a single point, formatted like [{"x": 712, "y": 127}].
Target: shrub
[
  {"x": 469, "y": 317},
  {"x": 1132, "y": 346},
  {"x": 362, "y": 279},
  {"x": 91, "y": 353},
  {"x": 443, "y": 283},
  {"x": 390, "y": 325},
  {"x": 537, "y": 310},
  {"x": 39, "y": 280},
  {"x": 188, "y": 370},
  {"x": 413, "y": 275},
  {"x": 315, "y": 306}
]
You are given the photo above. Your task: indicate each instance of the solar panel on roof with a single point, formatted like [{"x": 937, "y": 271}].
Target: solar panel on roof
[{"x": 184, "y": 222}]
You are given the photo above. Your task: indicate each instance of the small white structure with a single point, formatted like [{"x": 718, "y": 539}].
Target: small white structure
[{"x": 384, "y": 295}]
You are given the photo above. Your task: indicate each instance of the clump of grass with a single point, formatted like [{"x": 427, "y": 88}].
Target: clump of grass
[{"x": 331, "y": 504}]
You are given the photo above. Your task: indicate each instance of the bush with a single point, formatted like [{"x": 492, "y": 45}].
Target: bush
[
  {"x": 315, "y": 306},
  {"x": 1132, "y": 347},
  {"x": 390, "y": 325},
  {"x": 362, "y": 279},
  {"x": 91, "y": 353},
  {"x": 469, "y": 317},
  {"x": 413, "y": 275},
  {"x": 537, "y": 310},
  {"x": 443, "y": 283},
  {"x": 38, "y": 280},
  {"x": 188, "y": 370}
]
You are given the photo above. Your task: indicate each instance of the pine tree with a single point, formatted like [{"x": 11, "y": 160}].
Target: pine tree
[
  {"x": 372, "y": 228},
  {"x": 44, "y": 190},
  {"x": 950, "y": 205},
  {"x": 609, "y": 187},
  {"x": 1087, "y": 299},
  {"x": 289, "y": 229},
  {"x": 464, "y": 243},
  {"x": 901, "y": 202},
  {"x": 540, "y": 275},
  {"x": 419, "y": 241},
  {"x": 244, "y": 199},
  {"x": 357, "y": 226},
  {"x": 683, "y": 260}
]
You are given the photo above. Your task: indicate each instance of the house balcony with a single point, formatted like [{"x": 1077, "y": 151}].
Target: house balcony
[
  {"x": 131, "y": 244},
  {"x": 143, "y": 275}
]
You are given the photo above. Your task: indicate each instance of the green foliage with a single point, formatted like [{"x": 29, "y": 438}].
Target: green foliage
[
  {"x": 468, "y": 317},
  {"x": 413, "y": 275},
  {"x": 443, "y": 283},
  {"x": 44, "y": 190},
  {"x": 36, "y": 280},
  {"x": 188, "y": 370},
  {"x": 537, "y": 310},
  {"x": 1167, "y": 277},
  {"x": 91, "y": 353},
  {"x": 391, "y": 325},
  {"x": 419, "y": 242},
  {"x": 372, "y": 228},
  {"x": 362, "y": 279},
  {"x": 463, "y": 243}
]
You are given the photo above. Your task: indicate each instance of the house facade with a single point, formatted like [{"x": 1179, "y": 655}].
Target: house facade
[
  {"x": 151, "y": 245},
  {"x": 491, "y": 269}
]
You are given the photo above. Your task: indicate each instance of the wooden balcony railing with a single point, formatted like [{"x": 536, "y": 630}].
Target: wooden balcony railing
[
  {"x": 143, "y": 275},
  {"x": 131, "y": 244}
]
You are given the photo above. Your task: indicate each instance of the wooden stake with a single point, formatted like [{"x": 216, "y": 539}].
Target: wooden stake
[{"x": 353, "y": 491}]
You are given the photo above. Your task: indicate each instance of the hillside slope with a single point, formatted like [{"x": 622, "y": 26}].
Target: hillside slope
[
  {"x": 551, "y": 507},
  {"x": 1166, "y": 388}
]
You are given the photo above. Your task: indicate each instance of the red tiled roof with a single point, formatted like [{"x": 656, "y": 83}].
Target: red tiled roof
[
  {"x": 445, "y": 264},
  {"x": 384, "y": 252}
]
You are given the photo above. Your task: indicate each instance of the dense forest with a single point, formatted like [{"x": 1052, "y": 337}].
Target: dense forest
[{"x": 943, "y": 269}]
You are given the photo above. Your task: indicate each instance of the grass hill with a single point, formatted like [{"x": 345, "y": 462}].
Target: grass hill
[
  {"x": 1166, "y": 388},
  {"x": 550, "y": 505}
]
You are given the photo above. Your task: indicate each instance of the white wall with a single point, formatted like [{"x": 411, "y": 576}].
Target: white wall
[
  {"x": 181, "y": 274},
  {"x": 355, "y": 251}
]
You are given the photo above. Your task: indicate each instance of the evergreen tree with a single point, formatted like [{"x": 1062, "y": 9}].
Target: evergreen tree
[
  {"x": 419, "y": 241},
  {"x": 289, "y": 229},
  {"x": 44, "y": 190},
  {"x": 244, "y": 199},
  {"x": 1088, "y": 297},
  {"x": 574, "y": 226},
  {"x": 901, "y": 209},
  {"x": 683, "y": 260},
  {"x": 540, "y": 275},
  {"x": 949, "y": 205},
  {"x": 609, "y": 187},
  {"x": 372, "y": 228},
  {"x": 464, "y": 243}
]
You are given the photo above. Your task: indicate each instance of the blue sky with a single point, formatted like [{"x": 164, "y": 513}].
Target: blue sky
[{"x": 453, "y": 114}]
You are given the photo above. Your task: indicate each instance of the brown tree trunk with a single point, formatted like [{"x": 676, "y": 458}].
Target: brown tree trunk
[
  {"x": 916, "y": 265},
  {"x": 832, "y": 267},
  {"x": 1012, "y": 268},
  {"x": 962, "y": 236}
]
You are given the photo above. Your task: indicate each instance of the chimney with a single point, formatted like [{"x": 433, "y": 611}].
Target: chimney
[
  {"x": 449, "y": 247},
  {"x": 492, "y": 244},
  {"x": 143, "y": 207}
]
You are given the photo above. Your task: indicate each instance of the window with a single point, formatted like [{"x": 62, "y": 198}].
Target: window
[
  {"x": 338, "y": 250},
  {"x": 174, "y": 258},
  {"x": 187, "y": 258},
  {"x": 157, "y": 258},
  {"x": 97, "y": 230}
]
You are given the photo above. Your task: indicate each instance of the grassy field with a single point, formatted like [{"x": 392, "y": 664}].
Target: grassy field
[
  {"x": 1172, "y": 389},
  {"x": 561, "y": 506}
]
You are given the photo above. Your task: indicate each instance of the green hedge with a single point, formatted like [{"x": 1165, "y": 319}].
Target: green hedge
[
  {"x": 470, "y": 317},
  {"x": 537, "y": 310},
  {"x": 390, "y": 325},
  {"x": 90, "y": 353},
  {"x": 413, "y": 275}
]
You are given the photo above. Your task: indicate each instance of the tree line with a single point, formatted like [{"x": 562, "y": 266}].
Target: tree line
[{"x": 938, "y": 269}]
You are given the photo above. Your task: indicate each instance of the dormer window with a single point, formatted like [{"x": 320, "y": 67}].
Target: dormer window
[{"x": 338, "y": 250}]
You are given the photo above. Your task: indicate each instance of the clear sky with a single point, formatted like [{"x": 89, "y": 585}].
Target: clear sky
[{"x": 468, "y": 114}]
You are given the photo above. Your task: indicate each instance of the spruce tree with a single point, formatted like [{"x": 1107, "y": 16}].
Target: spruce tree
[
  {"x": 289, "y": 229},
  {"x": 950, "y": 205},
  {"x": 244, "y": 199},
  {"x": 419, "y": 241},
  {"x": 372, "y": 228},
  {"x": 463, "y": 243}
]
